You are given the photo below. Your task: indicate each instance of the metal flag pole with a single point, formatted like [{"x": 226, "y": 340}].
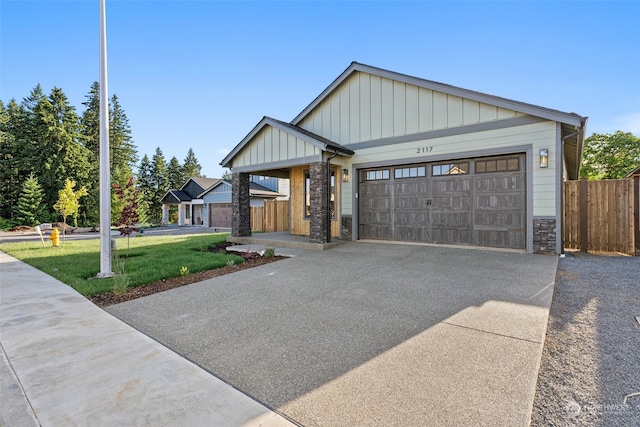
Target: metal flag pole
[{"x": 105, "y": 175}]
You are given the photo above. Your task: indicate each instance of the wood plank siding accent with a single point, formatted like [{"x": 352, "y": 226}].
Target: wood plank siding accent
[
  {"x": 273, "y": 145},
  {"x": 366, "y": 107},
  {"x": 300, "y": 225}
]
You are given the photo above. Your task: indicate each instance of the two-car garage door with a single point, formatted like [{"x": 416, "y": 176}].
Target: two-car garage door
[{"x": 478, "y": 202}]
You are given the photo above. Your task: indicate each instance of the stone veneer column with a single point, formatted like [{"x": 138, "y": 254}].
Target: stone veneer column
[
  {"x": 318, "y": 198},
  {"x": 346, "y": 232},
  {"x": 544, "y": 235},
  {"x": 241, "y": 209}
]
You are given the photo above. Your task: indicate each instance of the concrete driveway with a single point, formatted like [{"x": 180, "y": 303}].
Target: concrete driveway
[{"x": 369, "y": 334}]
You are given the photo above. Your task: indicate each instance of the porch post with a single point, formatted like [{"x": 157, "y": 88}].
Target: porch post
[
  {"x": 318, "y": 203},
  {"x": 165, "y": 214},
  {"x": 241, "y": 209},
  {"x": 180, "y": 214}
]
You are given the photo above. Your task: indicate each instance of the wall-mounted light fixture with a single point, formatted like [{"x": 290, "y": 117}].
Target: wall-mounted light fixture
[
  {"x": 345, "y": 175},
  {"x": 544, "y": 157}
]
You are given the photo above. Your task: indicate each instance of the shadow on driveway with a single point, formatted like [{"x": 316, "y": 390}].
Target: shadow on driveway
[{"x": 369, "y": 334}]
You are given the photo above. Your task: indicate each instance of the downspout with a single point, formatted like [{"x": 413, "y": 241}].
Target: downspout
[
  {"x": 329, "y": 196},
  {"x": 562, "y": 186}
]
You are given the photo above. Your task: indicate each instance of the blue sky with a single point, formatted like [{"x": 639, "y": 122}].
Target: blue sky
[{"x": 202, "y": 74}]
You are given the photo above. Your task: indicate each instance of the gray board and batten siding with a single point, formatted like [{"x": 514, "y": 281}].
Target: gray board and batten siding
[{"x": 477, "y": 202}]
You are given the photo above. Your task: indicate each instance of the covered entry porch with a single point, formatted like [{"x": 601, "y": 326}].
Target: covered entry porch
[{"x": 313, "y": 165}]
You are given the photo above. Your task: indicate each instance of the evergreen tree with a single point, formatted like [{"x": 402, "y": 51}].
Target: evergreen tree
[
  {"x": 191, "y": 166},
  {"x": 60, "y": 154},
  {"x": 18, "y": 151},
  {"x": 30, "y": 210},
  {"x": 123, "y": 151},
  {"x": 90, "y": 121},
  {"x": 160, "y": 184},
  {"x": 227, "y": 175},
  {"x": 145, "y": 185},
  {"x": 90, "y": 130},
  {"x": 174, "y": 170}
]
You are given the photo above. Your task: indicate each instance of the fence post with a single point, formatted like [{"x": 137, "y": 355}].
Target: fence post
[
  {"x": 636, "y": 213},
  {"x": 584, "y": 214}
]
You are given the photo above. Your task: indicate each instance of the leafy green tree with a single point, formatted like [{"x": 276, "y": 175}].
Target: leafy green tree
[
  {"x": 30, "y": 210},
  {"x": 174, "y": 171},
  {"x": 69, "y": 201},
  {"x": 191, "y": 166},
  {"x": 607, "y": 156}
]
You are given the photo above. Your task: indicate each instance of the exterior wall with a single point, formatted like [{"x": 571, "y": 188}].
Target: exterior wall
[
  {"x": 284, "y": 188},
  {"x": 367, "y": 107},
  {"x": 534, "y": 136},
  {"x": 299, "y": 224},
  {"x": 273, "y": 145}
]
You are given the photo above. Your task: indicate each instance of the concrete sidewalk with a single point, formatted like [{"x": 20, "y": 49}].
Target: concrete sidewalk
[{"x": 65, "y": 361}]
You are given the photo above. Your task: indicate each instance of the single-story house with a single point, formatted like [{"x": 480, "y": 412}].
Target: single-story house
[
  {"x": 207, "y": 201},
  {"x": 380, "y": 155}
]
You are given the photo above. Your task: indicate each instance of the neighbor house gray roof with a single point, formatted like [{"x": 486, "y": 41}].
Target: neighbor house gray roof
[
  {"x": 255, "y": 190},
  {"x": 175, "y": 196}
]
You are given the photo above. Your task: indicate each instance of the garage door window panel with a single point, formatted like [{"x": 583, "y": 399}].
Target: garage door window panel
[{"x": 450, "y": 169}]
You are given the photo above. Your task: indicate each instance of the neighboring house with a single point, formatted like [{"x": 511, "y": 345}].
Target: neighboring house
[
  {"x": 190, "y": 205},
  {"x": 217, "y": 199},
  {"x": 417, "y": 161},
  {"x": 207, "y": 201}
]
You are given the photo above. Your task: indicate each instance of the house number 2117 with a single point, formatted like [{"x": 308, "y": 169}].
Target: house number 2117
[{"x": 424, "y": 150}]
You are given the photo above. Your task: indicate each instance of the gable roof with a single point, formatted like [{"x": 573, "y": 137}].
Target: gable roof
[
  {"x": 522, "y": 107},
  {"x": 202, "y": 182},
  {"x": 255, "y": 189},
  {"x": 318, "y": 141},
  {"x": 175, "y": 196}
]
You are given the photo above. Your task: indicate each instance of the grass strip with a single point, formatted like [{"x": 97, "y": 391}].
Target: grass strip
[{"x": 150, "y": 259}]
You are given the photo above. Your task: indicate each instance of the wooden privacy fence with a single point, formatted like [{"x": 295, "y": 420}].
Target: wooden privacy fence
[
  {"x": 273, "y": 216},
  {"x": 602, "y": 215}
]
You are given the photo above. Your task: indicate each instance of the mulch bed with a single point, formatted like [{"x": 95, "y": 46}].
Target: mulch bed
[{"x": 250, "y": 260}]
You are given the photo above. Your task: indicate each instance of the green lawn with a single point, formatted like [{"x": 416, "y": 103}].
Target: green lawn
[{"x": 151, "y": 258}]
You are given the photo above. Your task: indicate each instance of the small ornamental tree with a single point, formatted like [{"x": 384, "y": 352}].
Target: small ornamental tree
[
  {"x": 68, "y": 201},
  {"x": 129, "y": 217},
  {"x": 30, "y": 209}
]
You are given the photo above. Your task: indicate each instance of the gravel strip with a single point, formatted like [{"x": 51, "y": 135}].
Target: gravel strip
[{"x": 591, "y": 357}]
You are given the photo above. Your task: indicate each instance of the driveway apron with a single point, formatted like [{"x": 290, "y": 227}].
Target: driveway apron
[{"x": 369, "y": 334}]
